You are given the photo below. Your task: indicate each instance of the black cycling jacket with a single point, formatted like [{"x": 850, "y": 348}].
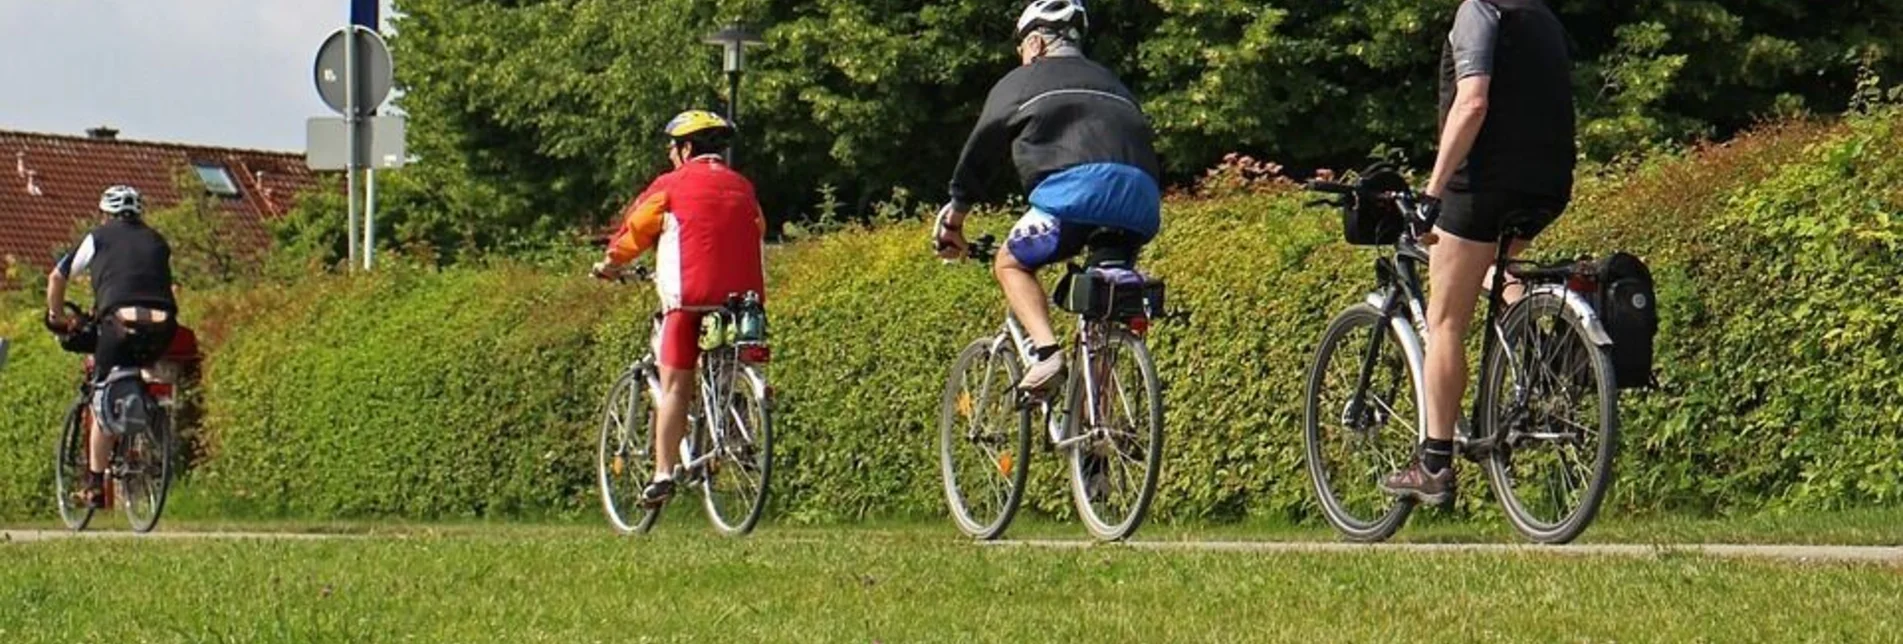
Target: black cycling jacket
[{"x": 1055, "y": 113}]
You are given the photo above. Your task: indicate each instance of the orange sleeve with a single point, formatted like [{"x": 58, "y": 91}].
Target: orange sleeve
[{"x": 641, "y": 224}]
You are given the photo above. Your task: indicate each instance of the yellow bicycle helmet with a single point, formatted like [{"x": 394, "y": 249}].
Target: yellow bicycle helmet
[{"x": 692, "y": 122}]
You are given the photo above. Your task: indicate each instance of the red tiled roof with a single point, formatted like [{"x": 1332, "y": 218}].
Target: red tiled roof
[{"x": 50, "y": 185}]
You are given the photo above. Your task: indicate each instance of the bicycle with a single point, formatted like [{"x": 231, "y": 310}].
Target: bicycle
[
  {"x": 140, "y": 472},
  {"x": 1096, "y": 422},
  {"x": 728, "y": 449},
  {"x": 1543, "y": 358}
]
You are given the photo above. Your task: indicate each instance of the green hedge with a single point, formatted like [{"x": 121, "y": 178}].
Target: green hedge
[{"x": 472, "y": 392}]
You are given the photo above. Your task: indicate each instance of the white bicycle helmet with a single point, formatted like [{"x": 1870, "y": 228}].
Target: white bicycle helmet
[
  {"x": 122, "y": 201},
  {"x": 1064, "y": 17}
]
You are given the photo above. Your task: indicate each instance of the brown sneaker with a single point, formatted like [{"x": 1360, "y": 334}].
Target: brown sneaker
[{"x": 1416, "y": 483}]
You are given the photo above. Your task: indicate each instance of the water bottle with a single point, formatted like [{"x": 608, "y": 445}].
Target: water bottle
[{"x": 752, "y": 323}]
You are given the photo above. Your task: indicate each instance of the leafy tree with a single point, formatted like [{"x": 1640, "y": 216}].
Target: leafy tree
[{"x": 535, "y": 116}]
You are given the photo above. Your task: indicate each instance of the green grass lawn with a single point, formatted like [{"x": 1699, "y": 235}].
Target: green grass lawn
[{"x": 475, "y": 582}]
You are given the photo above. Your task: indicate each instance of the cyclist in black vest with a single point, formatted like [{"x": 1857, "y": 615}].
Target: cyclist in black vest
[
  {"x": 1506, "y": 159},
  {"x": 131, "y": 269}
]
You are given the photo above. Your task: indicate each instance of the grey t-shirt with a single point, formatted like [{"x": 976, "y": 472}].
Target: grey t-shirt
[{"x": 1475, "y": 36}]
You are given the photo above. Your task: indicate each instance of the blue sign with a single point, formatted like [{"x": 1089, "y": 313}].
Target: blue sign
[{"x": 364, "y": 12}]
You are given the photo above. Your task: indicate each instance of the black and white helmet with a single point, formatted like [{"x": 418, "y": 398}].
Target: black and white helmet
[
  {"x": 1062, "y": 17},
  {"x": 122, "y": 201}
]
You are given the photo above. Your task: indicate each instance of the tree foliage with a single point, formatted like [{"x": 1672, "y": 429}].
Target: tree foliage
[{"x": 534, "y": 116}]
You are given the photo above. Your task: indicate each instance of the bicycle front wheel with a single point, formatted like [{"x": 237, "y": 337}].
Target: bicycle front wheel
[
  {"x": 69, "y": 469},
  {"x": 1549, "y": 401},
  {"x": 1364, "y": 415},
  {"x": 148, "y": 470},
  {"x": 1116, "y": 415},
  {"x": 984, "y": 440},
  {"x": 624, "y": 457},
  {"x": 737, "y": 478}
]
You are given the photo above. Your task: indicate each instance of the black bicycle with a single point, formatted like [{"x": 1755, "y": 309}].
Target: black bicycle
[
  {"x": 141, "y": 469},
  {"x": 1545, "y": 420}
]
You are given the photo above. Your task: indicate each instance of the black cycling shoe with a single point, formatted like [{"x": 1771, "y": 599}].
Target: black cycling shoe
[
  {"x": 94, "y": 491},
  {"x": 657, "y": 493}
]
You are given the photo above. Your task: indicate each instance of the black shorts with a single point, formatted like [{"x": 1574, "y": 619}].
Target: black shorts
[
  {"x": 1483, "y": 216},
  {"x": 135, "y": 344}
]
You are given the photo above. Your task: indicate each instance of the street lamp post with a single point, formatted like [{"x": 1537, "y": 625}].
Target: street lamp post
[{"x": 733, "y": 41}]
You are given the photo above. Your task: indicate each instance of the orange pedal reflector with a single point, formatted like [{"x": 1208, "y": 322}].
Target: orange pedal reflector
[{"x": 1004, "y": 464}]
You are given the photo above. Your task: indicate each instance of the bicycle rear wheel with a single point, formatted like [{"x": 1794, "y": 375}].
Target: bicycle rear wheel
[
  {"x": 1355, "y": 436},
  {"x": 1114, "y": 471},
  {"x": 984, "y": 439},
  {"x": 735, "y": 486},
  {"x": 147, "y": 478},
  {"x": 69, "y": 468},
  {"x": 624, "y": 457},
  {"x": 1549, "y": 400}
]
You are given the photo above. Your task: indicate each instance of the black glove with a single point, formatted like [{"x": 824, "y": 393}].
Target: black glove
[{"x": 1429, "y": 212}]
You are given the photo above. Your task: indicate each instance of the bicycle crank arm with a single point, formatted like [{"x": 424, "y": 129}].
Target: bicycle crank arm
[
  {"x": 1475, "y": 449},
  {"x": 1074, "y": 440}
]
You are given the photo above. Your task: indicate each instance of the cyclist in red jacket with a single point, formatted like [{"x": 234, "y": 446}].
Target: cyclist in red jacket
[{"x": 705, "y": 227}]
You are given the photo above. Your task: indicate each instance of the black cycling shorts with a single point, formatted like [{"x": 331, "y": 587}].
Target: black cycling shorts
[
  {"x": 1483, "y": 216},
  {"x": 135, "y": 344}
]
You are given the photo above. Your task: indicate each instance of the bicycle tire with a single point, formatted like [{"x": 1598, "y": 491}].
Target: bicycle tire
[
  {"x": 619, "y": 457},
  {"x": 1125, "y": 343},
  {"x": 69, "y": 464},
  {"x": 1570, "y": 345},
  {"x": 754, "y": 438},
  {"x": 1386, "y": 513},
  {"x": 148, "y": 455},
  {"x": 960, "y": 425}
]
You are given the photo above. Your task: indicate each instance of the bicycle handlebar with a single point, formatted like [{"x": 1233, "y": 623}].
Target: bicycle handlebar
[
  {"x": 983, "y": 249},
  {"x": 636, "y": 273},
  {"x": 1331, "y": 187}
]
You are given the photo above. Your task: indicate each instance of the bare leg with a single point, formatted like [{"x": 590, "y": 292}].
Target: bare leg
[
  {"x": 1026, "y": 297},
  {"x": 99, "y": 452},
  {"x": 1455, "y": 271},
  {"x": 677, "y": 395}
]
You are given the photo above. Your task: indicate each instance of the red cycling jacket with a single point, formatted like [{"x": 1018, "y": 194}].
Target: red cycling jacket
[{"x": 706, "y": 229}]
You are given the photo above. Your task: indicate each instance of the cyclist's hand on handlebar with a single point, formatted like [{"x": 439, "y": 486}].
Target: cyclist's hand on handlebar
[
  {"x": 1429, "y": 212},
  {"x": 603, "y": 270},
  {"x": 948, "y": 238},
  {"x": 59, "y": 322}
]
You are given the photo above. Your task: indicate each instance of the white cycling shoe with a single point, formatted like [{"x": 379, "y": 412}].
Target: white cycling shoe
[{"x": 1043, "y": 373}]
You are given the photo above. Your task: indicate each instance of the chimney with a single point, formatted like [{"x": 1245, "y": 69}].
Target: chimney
[
  {"x": 102, "y": 133},
  {"x": 33, "y": 183}
]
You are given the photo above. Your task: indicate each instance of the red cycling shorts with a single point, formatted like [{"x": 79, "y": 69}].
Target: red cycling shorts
[{"x": 677, "y": 339}]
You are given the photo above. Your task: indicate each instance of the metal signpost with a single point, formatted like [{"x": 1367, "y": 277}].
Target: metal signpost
[{"x": 354, "y": 75}]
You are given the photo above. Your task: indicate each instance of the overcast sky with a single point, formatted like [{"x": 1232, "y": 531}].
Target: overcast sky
[{"x": 216, "y": 72}]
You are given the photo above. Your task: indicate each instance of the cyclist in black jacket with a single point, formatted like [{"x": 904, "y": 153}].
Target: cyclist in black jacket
[
  {"x": 131, "y": 269},
  {"x": 1081, "y": 146}
]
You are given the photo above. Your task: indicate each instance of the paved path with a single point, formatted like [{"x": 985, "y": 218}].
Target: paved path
[
  {"x": 1892, "y": 556},
  {"x": 28, "y": 536}
]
